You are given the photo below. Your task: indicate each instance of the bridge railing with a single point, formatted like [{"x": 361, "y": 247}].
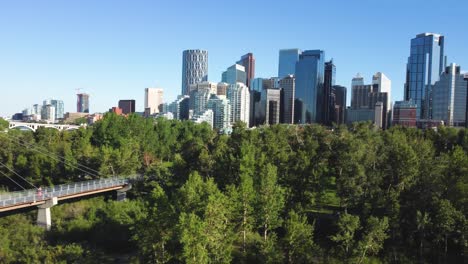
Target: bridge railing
[{"x": 33, "y": 195}]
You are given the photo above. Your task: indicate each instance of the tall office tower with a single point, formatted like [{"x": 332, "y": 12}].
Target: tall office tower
[
  {"x": 384, "y": 85},
  {"x": 288, "y": 91},
  {"x": 82, "y": 103},
  {"x": 257, "y": 84},
  {"x": 364, "y": 99},
  {"x": 59, "y": 108},
  {"x": 239, "y": 97},
  {"x": 310, "y": 70},
  {"x": 425, "y": 64},
  {"x": 127, "y": 106},
  {"x": 221, "y": 111},
  {"x": 358, "y": 80},
  {"x": 194, "y": 68},
  {"x": 404, "y": 114},
  {"x": 328, "y": 107},
  {"x": 234, "y": 74},
  {"x": 248, "y": 61},
  {"x": 267, "y": 111},
  {"x": 180, "y": 107},
  {"x": 198, "y": 99},
  {"x": 339, "y": 102},
  {"x": 287, "y": 62},
  {"x": 221, "y": 89},
  {"x": 153, "y": 100},
  {"x": 449, "y": 97},
  {"x": 211, "y": 86}
]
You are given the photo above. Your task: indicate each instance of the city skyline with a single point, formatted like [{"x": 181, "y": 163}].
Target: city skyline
[{"x": 113, "y": 62}]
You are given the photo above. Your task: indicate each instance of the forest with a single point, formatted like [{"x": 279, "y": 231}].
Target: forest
[{"x": 273, "y": 194}]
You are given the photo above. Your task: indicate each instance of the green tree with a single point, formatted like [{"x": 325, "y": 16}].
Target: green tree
[
  {"x": 347, "y": 225},
  {"x": 373, "y": 237},
  {"x": 299, "y": 239}
]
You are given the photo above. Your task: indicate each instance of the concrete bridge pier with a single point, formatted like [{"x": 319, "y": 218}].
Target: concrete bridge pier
[
  {"x": 122, "y": 193},
  {"x": 44, "y": 219}
]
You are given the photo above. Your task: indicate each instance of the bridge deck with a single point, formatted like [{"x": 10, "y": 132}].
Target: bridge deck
[{"x": 21, "y": 199}]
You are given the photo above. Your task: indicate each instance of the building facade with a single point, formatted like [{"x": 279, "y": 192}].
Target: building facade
[
  {"x": 310, "y": 70},
  {"x": 339, "y": 104},
  {"x": 267, "y": 110},
  {"x": 194, "y": 68},
  {"x": 239, "y": 96},
  {"x": 288, "y": 93},
  {"x": 198, "y": 99},
  {"x": 153, "y": 100},
  {"x": 82, "y": 103},
  {"x": 328, "y": 108},
  {"x": 221, "y": 112},
  {"x": 213, "y": 87},
  {"x": 449, "y": 97},
  {"x": 234, "y": 74},
  {"x": 404, "y": 114},
  {"x": 425, "y": 63},
  {"x": 127, "y": 106},
  {"x": 287, "y": 62},
  {"x": 248, "y": 61}
]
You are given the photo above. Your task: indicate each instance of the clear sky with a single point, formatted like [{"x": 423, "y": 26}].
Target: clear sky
[{"x": 113, "y": 49}]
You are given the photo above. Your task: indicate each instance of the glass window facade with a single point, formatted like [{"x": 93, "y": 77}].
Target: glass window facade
[
  {"x": 287, "y": 62},
  {"x": 310, "y": 70},
  {"x": 425, "y": 64}
]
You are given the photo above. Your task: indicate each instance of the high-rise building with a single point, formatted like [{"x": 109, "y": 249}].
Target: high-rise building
[
  {"x": 221, "y": 89},
  {"x": 180, "y": 107},
  {"x": 248, "y": 61},
  {"x": 450, "y": 97},
  {"x": 239, "y": 98},
  {"x": 288, "y": 92},
  {"x": 358, "y": 80},
  {"x": 425, "y": 64},
  {"x": 127, "y": 106},
  {"x": 384, "y": 85},
  {"x": 364, "y": 99},
  {"x": 206, "y": 116},
  {"x": 82, "y": 103},
  {"x": 287, "y": 62},
  {"x": 328, "y": 108},
  {"x": 339, "y": 103},
  {"x": 59, "y": 108},
  {"x": 257, "y": 84},
  {"x": 268, "y": 109},
  {"x": 234, "y": 74},
  {"x": 198, "y": 99},
  {"x": 153, "y": 100},
  {"x": 221, "y": 112},
  {"x": 404, "y": 114},
  {"x": 49, "y": 113},
  {"x": 310, "y": 70},
  {"x": 211, "y": 86},
  {"x": 194, "y": 68}
]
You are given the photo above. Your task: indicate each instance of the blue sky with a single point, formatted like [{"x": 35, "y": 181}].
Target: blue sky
[{"x": 114, "y": 49}]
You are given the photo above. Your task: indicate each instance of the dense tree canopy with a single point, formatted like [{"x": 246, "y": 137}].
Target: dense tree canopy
[{"x": 273, "y": 194}]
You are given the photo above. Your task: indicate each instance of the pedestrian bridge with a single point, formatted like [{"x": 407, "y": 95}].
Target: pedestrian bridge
[
  {"x": 45, "y": 198},
  {"x": 35, "y": 126}
]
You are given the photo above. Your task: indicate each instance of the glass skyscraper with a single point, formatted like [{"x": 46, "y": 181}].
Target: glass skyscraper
[
  {"x": 310, "y": 70},
  {"x": 82, "y": 103},
  {"x": 425, "y": 64},
  {"x": 287, "y": 62}
]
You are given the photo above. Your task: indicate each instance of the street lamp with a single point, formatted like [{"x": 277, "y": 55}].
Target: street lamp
[{"x": 466, "y": 102}]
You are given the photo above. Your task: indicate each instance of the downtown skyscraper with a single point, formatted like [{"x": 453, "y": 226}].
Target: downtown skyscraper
[
  {"x": 287, "y": 62},
  {"x": 248, "y": 61},
  {"x": 425, "y": 64},
  {"x": 194, "y": 68},
  {"x": 310, "y": 71}
]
